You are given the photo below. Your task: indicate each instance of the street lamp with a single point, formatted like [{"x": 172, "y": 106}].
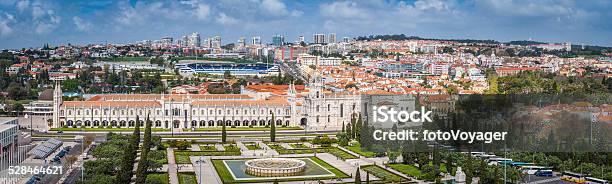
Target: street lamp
[
  {"x": 201, "y": 161},
  {"x": 31, "y": 124}
]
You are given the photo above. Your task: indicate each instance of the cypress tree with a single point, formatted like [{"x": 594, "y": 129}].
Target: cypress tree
[
  {"x": 129, "y": 157},
  {"x": 349, "y": 131},
  {"x": 358, "y": 127},
  {"x": 367, "y": 177},
  {"x": 343, "y": 131},
  {"x": 357, "y": 177},
  {"x": 353, "y": 130},
  {"x": 272, "y": 129},
  {"x": 141, "y": 171},
  {"x": 223, "y": 132},
  {"x": 365, "y": 139}
]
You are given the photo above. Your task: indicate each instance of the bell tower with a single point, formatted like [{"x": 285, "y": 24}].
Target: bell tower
[{"x": 57, "y": 103}]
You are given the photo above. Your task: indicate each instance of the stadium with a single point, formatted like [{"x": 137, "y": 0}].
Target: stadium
[{"x": 219, "y": 68}]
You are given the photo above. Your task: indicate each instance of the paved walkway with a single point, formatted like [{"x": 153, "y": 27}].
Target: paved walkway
[
  {"x": 242, "y": 147},
  {"x": 267, "y": 150},
  {"x": 308, "y": 144},
  {"x": 286, "y": 145},
  {"x": 172, "y": 169},
  {"x": 219, "y": 147},
  {"x": 195, "y": 147},
  {"x": 205, "y": 171},
  {"x": 343, "y": 166}
]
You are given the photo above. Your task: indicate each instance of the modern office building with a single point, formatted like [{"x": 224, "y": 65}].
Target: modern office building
[
  {"x": 215, "y": 42},
  {"x": 241, "y": 42},
  {"x": 318, "y": 38},
  {"x": 278, "y": 40},
  {"x": 9, "y": 133},
  {"x": 346, "y": 39},
  {"x": 194, "y": 40},
  {"x": 256, "y": 40},
  {"x": 332, "y": 38}
]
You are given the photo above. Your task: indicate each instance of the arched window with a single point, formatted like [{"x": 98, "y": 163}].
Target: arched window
[{"x": 341, "y": 110}]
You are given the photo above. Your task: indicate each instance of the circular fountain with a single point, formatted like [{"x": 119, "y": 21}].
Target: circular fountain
[{"x": 270, "y": 167}]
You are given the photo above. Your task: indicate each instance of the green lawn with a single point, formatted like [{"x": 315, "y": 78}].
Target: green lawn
[
  {"x": 53, "y": 136},
  {"x": 356, "y": 148},
  {"x": 125, "y": 58},
  {"x": 267, "y": 136},
  {"x": 232, "y": 148},
  {"x": 252, "y": 146},
  {"x": 208, "y": 148},
  {"x": 383, "y": 174},
  {"x": 298, "y": 146},
  {"x": 226, "y": 177},
  {"x": 163, "y": 177},
  {"x": 412, "y": 170},
  {"x": 182, "y": 157},
  {"x": 340, "y": 153},
  {"x": 187, "y": 178},
  {"x": 332, "y": 150},
  {"x": 243, "y": 129},
  {"x": 108, "y": 129}
]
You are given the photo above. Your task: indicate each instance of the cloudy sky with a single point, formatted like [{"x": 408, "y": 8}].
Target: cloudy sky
[{"x": 31, "y": 23}]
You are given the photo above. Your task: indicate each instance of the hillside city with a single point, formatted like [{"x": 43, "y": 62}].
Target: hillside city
[{"x": 217, "y": 111}]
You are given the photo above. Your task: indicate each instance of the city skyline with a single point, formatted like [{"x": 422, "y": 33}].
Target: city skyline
[{"x": 26, "y": 23}]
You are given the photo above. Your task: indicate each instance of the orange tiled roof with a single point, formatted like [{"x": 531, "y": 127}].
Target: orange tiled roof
[
  {"x": 175, "y": 97},
  {"x": 241, "y": 103},
  {"x": 111, "y": 104}
]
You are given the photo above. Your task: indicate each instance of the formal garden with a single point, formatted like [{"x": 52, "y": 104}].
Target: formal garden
[
  {"x": 187, "y": 178},
  {"x": 183, "y": 152},
  {"x": 230, "y": 172},
  {"x": 114, "y": 159},
  {"x": 384, "y": 175}
]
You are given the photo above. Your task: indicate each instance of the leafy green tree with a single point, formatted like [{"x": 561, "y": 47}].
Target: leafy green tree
[
  {"x": 422, "y": 160},
  {"x": 143, "y": 166},
  {"x": 272, "y": 129}
]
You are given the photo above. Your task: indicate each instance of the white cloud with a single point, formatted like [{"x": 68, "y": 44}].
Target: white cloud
[
  {"x": 438, "y": 5},
  {"x": 201, "y": 11},
  {"x": 274, "y": 7},
  {"x": 38, "y": 12},
  {"x": 343, "y": 9},
  {"x": 130, "y": 16},
  {"x": 22, "y": 5},
  {"x": 226, "y": 20},
  {"x": 81, "y": 24},
  {"x": 5, "y": 28},
  {"x": 526, "y": 7}
]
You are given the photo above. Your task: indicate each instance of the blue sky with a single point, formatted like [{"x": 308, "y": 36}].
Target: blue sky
[{"x": 31, "y": 23}]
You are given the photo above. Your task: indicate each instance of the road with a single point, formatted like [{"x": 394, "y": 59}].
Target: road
[{"x": 293, "y": 70}]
